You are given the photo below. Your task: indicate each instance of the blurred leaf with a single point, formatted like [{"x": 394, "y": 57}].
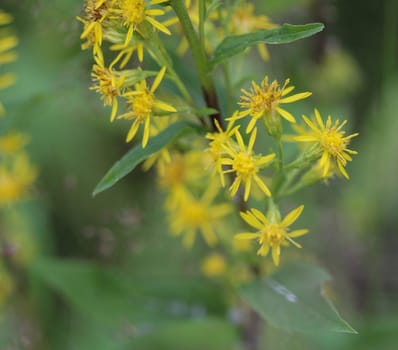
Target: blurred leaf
[
  {"x": 215, "y": 4},
  {"x": 95, "y": 291},
  {"x": 209, "y": 334},
  {"x": 136, "y": 155},
  {"x": 110, "y": 295},
  {"x": 233, "y": 45},
  {"x": 292, "y": 299}
]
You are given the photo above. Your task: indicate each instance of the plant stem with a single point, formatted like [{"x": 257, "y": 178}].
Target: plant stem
[{"x": 200, "y": 59}]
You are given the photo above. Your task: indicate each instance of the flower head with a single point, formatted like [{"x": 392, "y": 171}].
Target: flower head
[
  {"x": 218, "y": 141},
  {"x": 264, "y": 101},
  {"x": 134, "y": 12},
  {"x": 332, "y": 143},
  {"x": 96, "y": 12},
  {"x": 142, "y": 104},
  {"x": 16, "y": 176},
  {"x": 193, "y": 215},
  {"x": 13, "y": 142},
  {"x": 213, "y": 265},
  {"x": 243, "y": 20},
  {"x": 108, "y": 83},
  {"x": 245, "y": 165},
  {"x": 272, "y": 232}
]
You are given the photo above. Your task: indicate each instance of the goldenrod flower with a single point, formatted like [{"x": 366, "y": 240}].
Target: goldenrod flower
[
  {"x": 243, "y": 20},
  {"x": 193, "y": 215},
  {"x": 272, "y": 233},
  {"x": 13, "y": 142},
  {"x": 218, "y": 141},
  {"x": 213, "y": 265},
  {"x": 107, "y": 82},
  {"x": 246, "y": 165},
  {"x": 16, "y": 176},
  {"x": 96, "y": 12},
  {"x": 135, "y": 12},
  {"x": 142, "y": 103},
  {"x": 127, "y": 52},
  {"x": 265, "y": 100},
  {"x": 331, "y": 141},
  {"x": 184, "y": 171}
]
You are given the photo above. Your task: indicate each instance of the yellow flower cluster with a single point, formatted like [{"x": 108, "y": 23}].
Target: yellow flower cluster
[
  {"x": 196, "y": 173},
  {"x": 127, "y": 25},
  {"x": 192, "y": 197},
  {"x": 17, "y": 174}
]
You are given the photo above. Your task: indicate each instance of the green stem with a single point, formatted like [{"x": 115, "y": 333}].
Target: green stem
[
  {"x": 280, "y": 176},
  {"x": 161, "y": 56},
  {"x": 200, "y": 59}
]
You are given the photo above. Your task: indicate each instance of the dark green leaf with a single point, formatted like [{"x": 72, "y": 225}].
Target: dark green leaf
[
  {"x": 233, "y": 45},
  {"x": 95, "y": 291},
  {"x": 137, "y": 154},
  {"x": 292, "y": 299}
]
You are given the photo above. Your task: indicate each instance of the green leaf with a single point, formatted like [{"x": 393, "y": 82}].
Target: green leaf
[
  {"x": 189, "y": 334},
  {"x": 214, "y": 5},
  {"x": 137, "y": 154},
  {"x": 233, "y": 45},
  {"x": 97, "y": 292},
  {"x": 292, "y": 299}
]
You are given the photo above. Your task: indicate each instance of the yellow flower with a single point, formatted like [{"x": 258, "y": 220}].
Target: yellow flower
[
  {"x": 16, "y": 178},
  {"x": 5, "y": 18},
  {"x": 183, "y": 171},
  {"x": 246, "y": 165},
  {"x": 135, "y": 12},
  {"x": 265, "y": 100},
  {"x": 272, "y": 233},
  {"x": 331, "y": 141},
  {"x": 193, "y": 215},
  {"x": 244, "y": 21},
  {"x": 142, "y": 103},
  {"x": 96, "y": 13},
  {"x": 127, "y": 52},
  {"x": 107, "y": 82},
  {"x": 13, "y": 142},
  {"x": 218, "y": 141},
  {"x": 213, "y": 265}
]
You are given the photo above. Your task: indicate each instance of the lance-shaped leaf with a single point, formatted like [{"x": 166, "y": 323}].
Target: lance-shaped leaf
[
  {"x": 293, "y": 299},
  {"x": 235, "y": 44},
  {"x": 138, "y": 154}
]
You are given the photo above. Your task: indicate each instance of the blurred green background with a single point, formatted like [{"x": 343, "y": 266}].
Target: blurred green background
[{"x": 130, "y": 285}]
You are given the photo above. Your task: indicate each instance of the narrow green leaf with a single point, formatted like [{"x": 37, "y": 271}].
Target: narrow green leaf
[
  {"x": 233, "y": 45},
  {"x": 137, "y": 154},
  {"x": 292, "y": 299},
  {"x": 214, "y": 5}
]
